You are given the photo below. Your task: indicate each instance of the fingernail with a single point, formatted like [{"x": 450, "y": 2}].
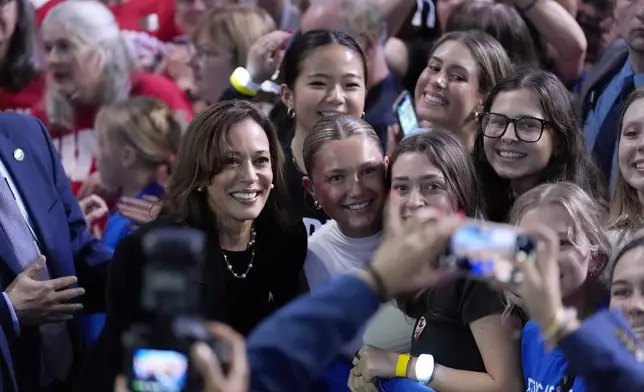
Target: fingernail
[{"x": 288, "y": 31}]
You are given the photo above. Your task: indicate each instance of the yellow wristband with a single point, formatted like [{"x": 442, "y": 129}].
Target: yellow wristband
[
  {"x": 240, "y": 86},
  {"x": 553, "y": 327},
  {"x": 401, "y": 366}
]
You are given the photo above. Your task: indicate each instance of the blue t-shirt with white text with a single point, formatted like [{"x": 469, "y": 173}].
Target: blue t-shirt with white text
[{"x": 543, "y": 369}]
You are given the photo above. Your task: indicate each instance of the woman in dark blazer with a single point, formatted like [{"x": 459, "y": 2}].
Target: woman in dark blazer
[{"x": 228, "y": 183}]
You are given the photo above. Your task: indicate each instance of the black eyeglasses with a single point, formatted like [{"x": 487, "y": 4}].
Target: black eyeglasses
[{"x": 527, "y": 129}]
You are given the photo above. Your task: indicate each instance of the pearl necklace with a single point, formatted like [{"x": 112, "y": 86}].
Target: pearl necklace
[{"x": 252, "y": 258}]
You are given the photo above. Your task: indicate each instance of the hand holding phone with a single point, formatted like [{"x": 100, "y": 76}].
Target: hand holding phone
[
  {"x": 490, "y": 251},
  {"x": 230, "y": 374},
  {"x": 406, "y": 114}
]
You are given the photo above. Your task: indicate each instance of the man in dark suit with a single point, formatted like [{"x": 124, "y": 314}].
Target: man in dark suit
[
  {"x": 604, "y": 91},
  {"x": 46, "y": 253}
]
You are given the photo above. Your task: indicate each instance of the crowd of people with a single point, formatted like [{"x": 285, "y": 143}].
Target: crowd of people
[{"x": 270, "y": 127}]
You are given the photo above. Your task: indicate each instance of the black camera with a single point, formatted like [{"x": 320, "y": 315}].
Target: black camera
[{"x": 157, "y": 353}]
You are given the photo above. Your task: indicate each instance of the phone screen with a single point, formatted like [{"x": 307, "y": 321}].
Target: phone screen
[
  {"x": 159, "y": 371},
  {"x": 406, "y": 115},
  {"x": 488, "y": 252}
]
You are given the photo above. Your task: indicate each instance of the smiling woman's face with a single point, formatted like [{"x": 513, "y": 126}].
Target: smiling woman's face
[
  {"x": 574, "y": 250},
  {"x": 331, "y": 80},
  {"x": 447, "y": 91},
  {"x": 416, "y": 184},
  {"x": 349, "y": 183},
  {"x": 630, "y": 155},
  {"x": 627, "y": 288},
  {"x": 240, "y": 191},
  {"x": 510, "y": 157}
]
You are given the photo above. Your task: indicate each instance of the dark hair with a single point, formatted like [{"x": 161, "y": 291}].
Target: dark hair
[
  {"x": 19, "y": 67},
  {"x": 501, "y": 21},
  {"x": 570, "y": 160},
  {"x": 447, "y": 153},
  {"x": 629, "y": 246},
  {"x": 202, "y": 155},
  {"x": 305, "y": 43},
  {"x": 625, "y": 206}
]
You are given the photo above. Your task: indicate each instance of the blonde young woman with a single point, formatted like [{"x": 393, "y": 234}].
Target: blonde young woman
[
  {"x": 626, "y": 207},
  {"x": 222, "y": 40},
  {"x": 138, "y": 140},
  {"x": 577, "y": 219}
]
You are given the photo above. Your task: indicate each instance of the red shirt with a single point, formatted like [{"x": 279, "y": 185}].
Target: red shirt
[
  {"x": 134, "y": 15},
  {"x": 78, "y": 146},
  {"x": 26, "y": 99}
]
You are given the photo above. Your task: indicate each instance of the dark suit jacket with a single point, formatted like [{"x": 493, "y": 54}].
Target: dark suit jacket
[
  {"x": 280, "y": 253},
  {"x": 603, "y": 352},
  {"x": 7, "y": 377},
  {"x": 289, "y": 351},
  {"x": 63, "y": 236},
  {"x": 611, "y": 61}
]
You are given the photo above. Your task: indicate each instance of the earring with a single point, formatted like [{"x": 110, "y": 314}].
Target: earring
[
  {"x": 477, "y": 116},
  {"x": 317, "y": 205},
  {"x": 272, "y": 186},
  {"x": 290, "y": 112},
  {"x": 200, "y": 188},
  {"x": 363, "y": 114}
]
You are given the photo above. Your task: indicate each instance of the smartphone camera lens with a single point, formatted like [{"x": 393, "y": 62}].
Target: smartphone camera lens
[{"x": 525, "y": 244}]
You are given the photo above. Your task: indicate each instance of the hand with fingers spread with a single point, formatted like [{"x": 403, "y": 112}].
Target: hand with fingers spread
[
  {"x": 93, "y": 207},
  {"x": 40, "y": 302},
  {"x": 205, "y": 361},
  {"x": 140, "y": 210},
  {"x": 265, "y": 55},
  {"x": 405, "y": 259}
]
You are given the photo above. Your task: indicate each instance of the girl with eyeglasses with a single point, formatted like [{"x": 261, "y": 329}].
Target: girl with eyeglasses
[{"x": 529, "y": 136}]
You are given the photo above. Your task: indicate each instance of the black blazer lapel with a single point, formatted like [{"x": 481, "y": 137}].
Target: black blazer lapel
[{"x": 212, "y": 283}]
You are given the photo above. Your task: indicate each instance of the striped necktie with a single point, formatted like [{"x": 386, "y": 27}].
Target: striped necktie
[{"x": 57, "y": 350}]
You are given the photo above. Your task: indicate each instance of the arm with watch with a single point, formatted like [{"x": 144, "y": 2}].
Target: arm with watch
[
  {"x": 290, "y": 350},
  {"x": 500, "y": 355}
]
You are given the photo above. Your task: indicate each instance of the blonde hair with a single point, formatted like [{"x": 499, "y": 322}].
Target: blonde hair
[
  {"x": 626, "y": 212},
  {"x": 147, "y": 125},
  {"x": 335, "y": 127},
  {"x": 587, "y": 215},
  {"x": 234, "y": 28}
]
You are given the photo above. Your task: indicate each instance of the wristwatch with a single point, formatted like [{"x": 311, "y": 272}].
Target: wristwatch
[{"x": 424, "y": 368}]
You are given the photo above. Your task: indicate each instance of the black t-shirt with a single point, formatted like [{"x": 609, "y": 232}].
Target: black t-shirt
[
  {"x": 446, "y": 334},
  {"x": 303, "y": 202}
]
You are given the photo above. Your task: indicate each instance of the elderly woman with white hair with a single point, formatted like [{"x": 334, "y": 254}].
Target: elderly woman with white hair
[{"x": 90, "y": 65}]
